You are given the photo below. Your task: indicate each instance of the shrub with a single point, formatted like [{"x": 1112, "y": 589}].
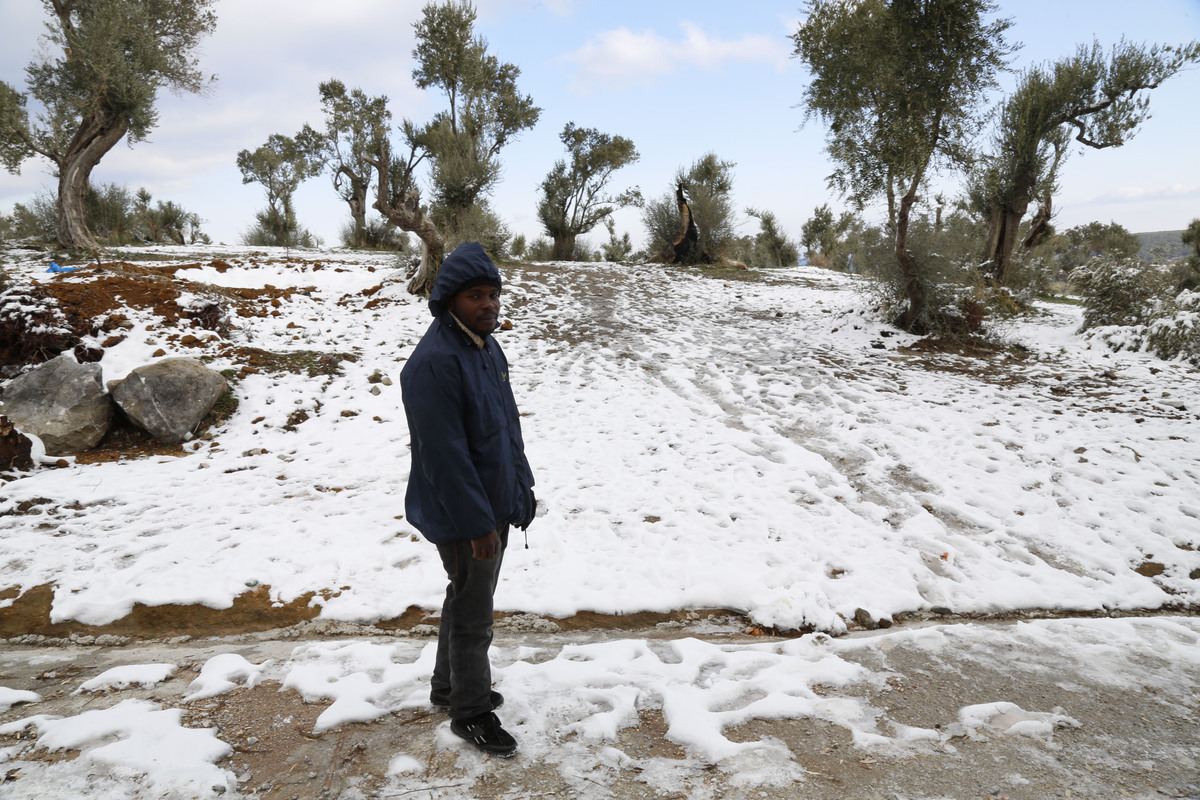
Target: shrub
[
  {"x": 540, "y": 250},
  {"x": 272, "y": 229},
  {"x": 1176, "y": 333},
  {"x": 38, "y": 219},
  {"x": 1129, "y": 305},
  {"x": 379, "y": 234},
  {"x": 1117, "y": 291},
  {"x": 947, "y": 253}
]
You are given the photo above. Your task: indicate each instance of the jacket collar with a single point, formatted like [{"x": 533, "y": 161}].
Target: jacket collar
[{"x": 476, "y": 339}]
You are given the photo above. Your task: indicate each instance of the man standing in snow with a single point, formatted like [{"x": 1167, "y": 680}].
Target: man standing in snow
[{"x": 469, "y": 480}]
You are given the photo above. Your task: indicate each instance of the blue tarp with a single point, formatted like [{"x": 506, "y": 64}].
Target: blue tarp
[{"x": 56, "y": 268}]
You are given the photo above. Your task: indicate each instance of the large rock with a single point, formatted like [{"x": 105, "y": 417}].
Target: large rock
[
  {"x": 168, "y": 398},
  {"x": 62, "y": 402}
]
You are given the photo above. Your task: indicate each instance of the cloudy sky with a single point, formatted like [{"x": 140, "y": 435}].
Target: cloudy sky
[{"x": 679, "y": 79}]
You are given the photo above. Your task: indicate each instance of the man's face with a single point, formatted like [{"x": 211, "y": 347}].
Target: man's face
[{"x": 478, "y": 308}]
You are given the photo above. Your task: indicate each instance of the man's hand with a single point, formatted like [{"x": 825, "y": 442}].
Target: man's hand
[{"x": 485, "y": 548}]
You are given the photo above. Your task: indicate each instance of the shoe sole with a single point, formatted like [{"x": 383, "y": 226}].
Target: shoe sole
[{"x": 506, "y": 753}]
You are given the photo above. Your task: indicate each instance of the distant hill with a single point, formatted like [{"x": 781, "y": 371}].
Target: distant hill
[{"x": 1170, "y": 241}]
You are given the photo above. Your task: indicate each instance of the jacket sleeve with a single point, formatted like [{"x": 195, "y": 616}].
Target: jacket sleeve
[{"x": 434, "y": 405}]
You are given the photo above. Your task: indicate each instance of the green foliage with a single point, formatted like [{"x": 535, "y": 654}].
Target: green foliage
[
  {"x": 115, "y": 215},
  {"x": 1187, "y": 274},
  {"x": 1130, "y": 305},
  {"x": 1079, "y": 245},
  {"x": 279, "y": 165},
  {"x": 485, "y": 111},
  {"x": 617, "y": 248},
  {"x": 1099, "y": 100},
  {"x": 709, "y": 186},
  {"x": 539, "y": 250},
  {"x": 37, "y": 219},
  {"x": 375, "y": 234},
  {"x": 111, "y": 213},
  {"x": 15, "y": 144},
  {"x": 355, "y": 127},
  {"x": 1117, "y": 291},
  {"x": 95, "y": 82},
  {"x": 822, "y": 237},
  {"x": 947, "y": 251},
  {"x": 1174, "y": 333},
  {"x": 518, "y": 246},
  {"x": 573, "y": 198},
  {"x": 898, "y": 83},
  {"x": 1191, "y": 238},
  {"x": 899, "y": 86},
  {"x": 479, "y": 223},
  {"x": 274, "y": 228},
  {"x": 771, "y": 247}
]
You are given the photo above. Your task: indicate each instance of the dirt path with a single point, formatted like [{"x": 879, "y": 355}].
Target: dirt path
[{"x": 1133, "y": 731}]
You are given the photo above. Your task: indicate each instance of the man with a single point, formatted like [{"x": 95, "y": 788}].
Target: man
[{"x": 469, "y": 480}]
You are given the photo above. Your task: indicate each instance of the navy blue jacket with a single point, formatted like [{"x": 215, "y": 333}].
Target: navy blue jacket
[{"x": 469, "y": 473}]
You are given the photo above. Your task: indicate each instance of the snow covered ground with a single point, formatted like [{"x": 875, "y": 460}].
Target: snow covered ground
[
  {"x": 1103, "y": 708},
  {"x": 756, "y": 443}
]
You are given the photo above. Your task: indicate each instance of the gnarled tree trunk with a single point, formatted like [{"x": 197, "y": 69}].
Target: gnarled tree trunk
[
  {"x": 915, "y": 318},
  {"x": 1039, "y": 229},
  {"x": 408, "y": 216},
  {"x": 95, "y": 138},
  {"x": 563, "y": 248},
  {"x": 1003, "y": 226},
  {"x": 686, "y": 248}
]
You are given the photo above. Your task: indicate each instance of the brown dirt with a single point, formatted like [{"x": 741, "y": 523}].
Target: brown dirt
[
  {"x": 254, "y": 611},
  {"x": 251, "y": 611},
  {"x": 1134, "y": 738}
]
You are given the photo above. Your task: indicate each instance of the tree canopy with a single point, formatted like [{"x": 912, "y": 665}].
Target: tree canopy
[
  {"x": 355, "y": 125},
  {"x": 461, "y": 143},
  {"x": 279, "y": 166},
  {"x": 708, "y": 184},
  {"x": 1095, "y": 99},
  {"x": 898, "y": 83},
  {"x": 97, "y": 82},
  {"x": 573, "y": 198}
]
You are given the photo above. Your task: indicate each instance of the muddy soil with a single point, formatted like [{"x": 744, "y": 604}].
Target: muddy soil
[{"x": 1139, "y": 742}]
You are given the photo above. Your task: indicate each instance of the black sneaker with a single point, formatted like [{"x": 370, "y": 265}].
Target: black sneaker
[
  {"x": 484, "y": 732},
  {"x": 443, "y": 700}
]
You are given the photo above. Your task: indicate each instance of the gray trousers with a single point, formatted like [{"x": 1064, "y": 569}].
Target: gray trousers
[{"x": 462, "y": 672}]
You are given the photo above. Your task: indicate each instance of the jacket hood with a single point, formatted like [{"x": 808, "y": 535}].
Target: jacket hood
[{"x": 467, "y": 264}]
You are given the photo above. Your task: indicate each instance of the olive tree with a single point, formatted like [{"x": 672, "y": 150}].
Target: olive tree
[
  {"x": 771, "y": 246},
  {"x": 279, "y": 165},
  {"x": 461, "y": 144},
  {"x": 708, "y": 184},
  {"x": 1098, "y": 100},
  {"x": 822, "y": 235},
  {"x": 355, "y": 125},
  {"x": 899, "y": 83},
  {"x": 95, "y": 83},
  {"x": 573, "y": 198}
]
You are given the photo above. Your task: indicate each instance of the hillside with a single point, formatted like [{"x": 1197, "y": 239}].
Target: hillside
[
  {"x": 790, "y": 457},
  {"x": 1007, "y": 535},
  {"x": 1169, "y": 243}
]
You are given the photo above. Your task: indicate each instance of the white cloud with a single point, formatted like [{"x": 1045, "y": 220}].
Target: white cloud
[{"x": 620, "y": 57}]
